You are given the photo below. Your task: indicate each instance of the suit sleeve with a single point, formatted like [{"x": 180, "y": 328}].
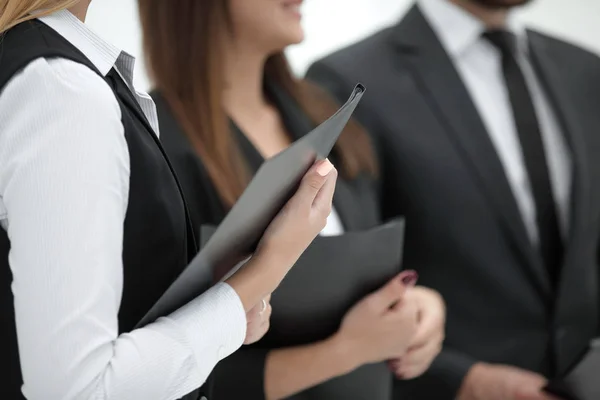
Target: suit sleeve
[{"x": 444, "y": 378}]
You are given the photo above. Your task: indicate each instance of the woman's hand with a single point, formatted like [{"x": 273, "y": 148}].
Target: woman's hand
[
  {"x": 258, "y": 320},
  {"x": 288, "y": 235},
  {"x": 427, "y": 343},
  {"x": 382, "y": 325},
  {"x": 303, "y": 217}
]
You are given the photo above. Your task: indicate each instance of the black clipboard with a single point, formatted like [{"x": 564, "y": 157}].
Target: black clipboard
[
  {"x": 582, "y": 382},
  {"x": 237, "y": 236}
]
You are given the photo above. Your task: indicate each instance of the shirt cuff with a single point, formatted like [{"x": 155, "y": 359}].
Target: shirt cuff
[{"x": 214, "y": 324}]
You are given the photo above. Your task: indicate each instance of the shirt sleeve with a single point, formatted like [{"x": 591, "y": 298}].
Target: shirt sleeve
[{"x": 64, "y": 182}]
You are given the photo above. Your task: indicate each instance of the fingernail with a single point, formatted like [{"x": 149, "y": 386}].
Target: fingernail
[
  {"x": 324, "y": 167},
  {"x": 409, "y": 278}
]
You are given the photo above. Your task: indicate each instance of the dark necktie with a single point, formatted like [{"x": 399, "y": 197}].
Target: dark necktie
[{"x": 550, "y": 241}]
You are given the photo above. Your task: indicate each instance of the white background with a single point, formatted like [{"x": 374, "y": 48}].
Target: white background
[{"x": 331, "y": 24}]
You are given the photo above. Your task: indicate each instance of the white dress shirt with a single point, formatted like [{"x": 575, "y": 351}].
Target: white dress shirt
[
  {"x": 479, "y": 63},
  {"x": 64, "y": 182},
  {"x": 334, "y": 226}
]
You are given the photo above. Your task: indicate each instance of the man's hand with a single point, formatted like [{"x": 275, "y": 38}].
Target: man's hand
[
  {"x": 427, "y": 342},
  {"x": 503, "y": 382},
  {"x": 258, "y": 319}
]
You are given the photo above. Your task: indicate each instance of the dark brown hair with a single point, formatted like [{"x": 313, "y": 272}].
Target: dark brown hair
[{"x": 182, "y": 41}]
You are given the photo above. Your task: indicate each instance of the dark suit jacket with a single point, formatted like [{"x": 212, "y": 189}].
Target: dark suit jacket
[
  {"x": 465, "y": 235},
  {"x": 241, "y": 376}
]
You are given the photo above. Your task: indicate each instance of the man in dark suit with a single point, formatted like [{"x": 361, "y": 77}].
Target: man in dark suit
[{"x": 490, "y": 141}]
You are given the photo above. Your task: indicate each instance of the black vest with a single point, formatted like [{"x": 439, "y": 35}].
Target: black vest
[{"x": 158, "y": 240}]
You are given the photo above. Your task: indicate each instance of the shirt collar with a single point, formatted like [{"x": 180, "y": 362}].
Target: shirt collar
[
  {"x": 458, "y": 29},
  {"x": 101, "y": 53}
]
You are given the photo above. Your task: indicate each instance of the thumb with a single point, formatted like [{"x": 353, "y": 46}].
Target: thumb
[
  {"x": 313, "y": 181},
  {"x": 393, "y": 291}
]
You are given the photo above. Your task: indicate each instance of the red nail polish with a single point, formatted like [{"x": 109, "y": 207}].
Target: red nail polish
[{"x": 409, "y": 277}]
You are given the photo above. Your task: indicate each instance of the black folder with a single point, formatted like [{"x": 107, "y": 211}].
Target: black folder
[
  {"x": 237, "y": 236},
  {"x": 582, "y": 382},
  {"x": 331, "y": 276},
  {"x": 328, "y": 279}
]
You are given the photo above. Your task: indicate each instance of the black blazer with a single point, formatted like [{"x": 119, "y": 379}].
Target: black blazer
[
  {"x": 241, "y": 376},
  {"x": 465, "y": 235}
]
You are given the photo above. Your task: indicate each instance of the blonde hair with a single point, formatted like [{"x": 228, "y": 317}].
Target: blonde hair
[{"x": 13, "y": 12}]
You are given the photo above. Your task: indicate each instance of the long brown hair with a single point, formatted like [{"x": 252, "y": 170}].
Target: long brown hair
[
  {"x": 13, "y": 12},
  {"x": 182, "y": 41}
]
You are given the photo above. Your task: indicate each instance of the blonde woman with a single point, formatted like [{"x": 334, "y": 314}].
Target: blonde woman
[{"x": 95, "y": 228}]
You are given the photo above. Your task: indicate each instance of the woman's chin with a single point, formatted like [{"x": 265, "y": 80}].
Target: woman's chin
[{"x": 295, "y": 38}]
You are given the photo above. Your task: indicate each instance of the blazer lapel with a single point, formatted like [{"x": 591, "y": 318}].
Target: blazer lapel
[
  {"x": 447, "y": 95},
  {"x": 556, "y": 85}
]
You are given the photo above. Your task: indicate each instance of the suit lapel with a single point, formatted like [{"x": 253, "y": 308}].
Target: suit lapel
[
  {"x": 555, "y": 84},
  {"x": 448, "y": 97}
]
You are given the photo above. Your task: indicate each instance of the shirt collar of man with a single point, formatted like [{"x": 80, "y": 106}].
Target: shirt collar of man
[{"x": 459, "y": 30}]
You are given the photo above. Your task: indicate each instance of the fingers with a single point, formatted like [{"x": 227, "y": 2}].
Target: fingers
[
  {"x": 534, "y": 392},
  {"x": 324, "y": 199},
  {"x": 257, "y": 333},
  {"x": 265, "y": 309},
  {"x": 266, "y": 315},
  {"x": 533, "y": 389},
  {"x": 313, "y": 182},
  {"x": 256, "y": 310},
  {"x": 392, "y": 292},
  {"x": 253, "y": 314},
  {"x": 408, "y": 277},
  {"x": 264, "y": 304},
  {"x": 417, "y": 360},
  {"x": 431, "y": 316},
  {"x": 258, "y": 321}
]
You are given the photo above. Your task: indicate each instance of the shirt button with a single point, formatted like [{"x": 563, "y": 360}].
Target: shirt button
[{"x": 203, "y": 398}]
